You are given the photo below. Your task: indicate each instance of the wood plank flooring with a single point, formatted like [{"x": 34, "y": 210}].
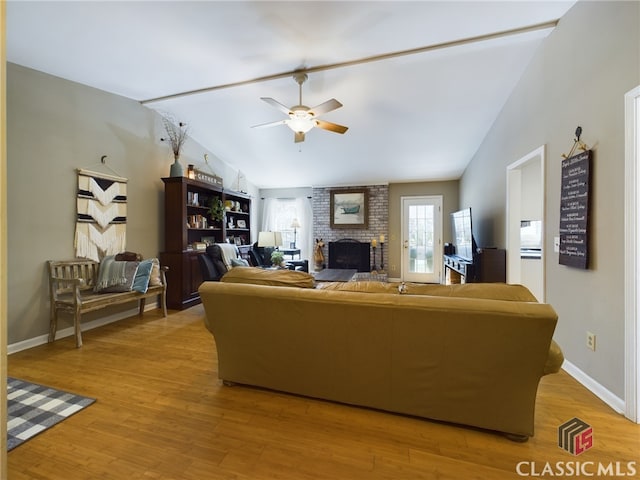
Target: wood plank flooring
[{"x": 162, "y": 413}]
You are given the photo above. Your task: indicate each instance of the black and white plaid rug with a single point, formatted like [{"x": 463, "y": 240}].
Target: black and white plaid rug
[{"x": 33, "y": 408}]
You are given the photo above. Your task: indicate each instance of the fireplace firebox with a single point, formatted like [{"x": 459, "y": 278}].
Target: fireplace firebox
[{"x": 350, "y": 253}]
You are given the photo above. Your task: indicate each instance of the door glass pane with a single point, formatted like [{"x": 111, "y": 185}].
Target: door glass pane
[{"x": 421, "y": 226}]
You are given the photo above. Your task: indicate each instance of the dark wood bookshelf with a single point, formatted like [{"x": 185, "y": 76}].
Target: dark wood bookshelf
[{"x": 188, "y": 225}]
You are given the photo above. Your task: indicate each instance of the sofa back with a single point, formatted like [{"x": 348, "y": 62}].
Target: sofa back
[{"x": 466, "y": 360}]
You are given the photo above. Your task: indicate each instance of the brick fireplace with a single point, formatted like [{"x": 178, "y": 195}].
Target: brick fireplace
[
  {"x": 350, "y": 253},
  {"x": 378, "y": 221}
]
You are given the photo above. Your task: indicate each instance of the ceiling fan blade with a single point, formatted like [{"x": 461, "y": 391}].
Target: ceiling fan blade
[
  {"x": 298, "y": 137},
  {"x": 332, "y": 127},
  {"x": 276, "y": 104},
  {"x": 325, "y": 107},
  {"x": 270, "y": 124}
]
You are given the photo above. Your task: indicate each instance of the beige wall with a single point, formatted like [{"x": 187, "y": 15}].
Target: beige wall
[
  {"x": 55, "y": 126},
  {"x": 449, "y": 192},
  {"x": 579, "y": 77}
]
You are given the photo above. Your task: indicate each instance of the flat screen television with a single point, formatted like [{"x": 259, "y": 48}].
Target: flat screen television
[{"x": 463, "y": 234}]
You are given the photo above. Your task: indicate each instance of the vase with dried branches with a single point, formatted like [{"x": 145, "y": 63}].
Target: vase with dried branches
[{"x": 176, "y": 136}]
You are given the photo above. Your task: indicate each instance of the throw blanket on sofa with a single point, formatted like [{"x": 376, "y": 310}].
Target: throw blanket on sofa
[{"x": 229, "y": 252}]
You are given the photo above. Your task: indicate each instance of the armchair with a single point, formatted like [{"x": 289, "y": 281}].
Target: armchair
[
  {"x": 257, "y": 256},
  {"x": 217, "y": 260},
  {"x": 207, "y": 268}
]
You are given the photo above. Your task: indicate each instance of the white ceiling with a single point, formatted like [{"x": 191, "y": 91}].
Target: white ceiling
[{"x": 411, "y": 118}]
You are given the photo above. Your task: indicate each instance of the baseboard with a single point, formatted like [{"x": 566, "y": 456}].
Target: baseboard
[
  {"x": 69, "y": 331},
  {"x": 604, "y": 394}
]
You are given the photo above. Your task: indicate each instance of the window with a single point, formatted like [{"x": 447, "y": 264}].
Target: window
[
  {"x": 279, "y": 215},
  {"x": 284, "y": 215}
]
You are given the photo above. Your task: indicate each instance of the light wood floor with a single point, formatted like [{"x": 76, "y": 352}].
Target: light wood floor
[{"x": 161, "y": 413}]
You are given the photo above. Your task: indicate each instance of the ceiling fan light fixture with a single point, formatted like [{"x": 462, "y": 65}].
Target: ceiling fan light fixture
[
  {"x": 302, "y": 118},
  {"x": 300, "y": 121}
]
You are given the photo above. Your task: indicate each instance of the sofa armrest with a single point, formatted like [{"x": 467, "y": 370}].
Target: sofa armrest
[{"x": 555, "y": 359}]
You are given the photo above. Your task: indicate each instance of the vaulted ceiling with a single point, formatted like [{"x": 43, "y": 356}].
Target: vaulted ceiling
[{"x": 421, "y": 82}]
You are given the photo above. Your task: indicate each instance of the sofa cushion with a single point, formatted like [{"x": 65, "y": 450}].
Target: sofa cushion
[
  {"x": 492, "y": 291},
  {"x": 261, "y": 276},
  {"x": 363, "y": 286}
]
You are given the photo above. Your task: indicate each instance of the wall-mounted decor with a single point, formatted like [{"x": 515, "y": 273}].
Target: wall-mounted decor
[
  {"x": 211, "y": 179},
  {"x": 574, "y": 210},
  {"x": 349, "y": 208},
  {"x": 101, "y": 225}
]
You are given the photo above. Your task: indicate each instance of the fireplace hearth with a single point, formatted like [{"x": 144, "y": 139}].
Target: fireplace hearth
[{"x": 350, "y": 253}]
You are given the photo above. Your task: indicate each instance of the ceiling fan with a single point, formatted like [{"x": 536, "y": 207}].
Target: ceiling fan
[{"x": 302, "y": 118}]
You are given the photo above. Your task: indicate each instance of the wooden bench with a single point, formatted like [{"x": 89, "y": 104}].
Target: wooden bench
[{"x": 71, "y": 289}]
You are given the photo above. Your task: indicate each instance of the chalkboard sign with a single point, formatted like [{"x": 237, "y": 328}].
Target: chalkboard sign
[{"x": 574, "y": 210}]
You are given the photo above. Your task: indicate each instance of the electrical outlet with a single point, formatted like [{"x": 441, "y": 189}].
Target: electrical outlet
[{"x": 591, "y": 341}]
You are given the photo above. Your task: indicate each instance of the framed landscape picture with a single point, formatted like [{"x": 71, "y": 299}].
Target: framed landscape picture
[{"x": 349, "y": 208}]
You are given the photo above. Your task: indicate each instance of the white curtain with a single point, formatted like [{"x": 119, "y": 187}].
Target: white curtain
[
  {"x": 269, "y": 215},
  {"x": 278, "y": 214},
  {"x": 305, "y": 232}
]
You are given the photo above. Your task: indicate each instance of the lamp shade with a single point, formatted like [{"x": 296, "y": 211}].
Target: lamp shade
[
  {"x": 295, "y": 223},
  {"x": 269, "y": 239}
]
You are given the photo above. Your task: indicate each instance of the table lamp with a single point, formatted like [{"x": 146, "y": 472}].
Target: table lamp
[
  {"x": 295, "y": 224},
  {"x": 269, "y": 239}
]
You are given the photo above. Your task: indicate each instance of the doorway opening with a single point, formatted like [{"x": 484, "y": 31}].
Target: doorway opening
[{"x": 525, "y": 222}]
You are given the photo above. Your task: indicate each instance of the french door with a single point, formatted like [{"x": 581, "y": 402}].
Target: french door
[{"x": 421, "y": 239}]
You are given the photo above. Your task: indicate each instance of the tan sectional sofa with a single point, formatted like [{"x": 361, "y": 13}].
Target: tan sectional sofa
[{"x": 469, "y": 354}]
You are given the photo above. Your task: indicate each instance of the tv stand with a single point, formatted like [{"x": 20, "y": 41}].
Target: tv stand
[{"x": 488, "y": 265}]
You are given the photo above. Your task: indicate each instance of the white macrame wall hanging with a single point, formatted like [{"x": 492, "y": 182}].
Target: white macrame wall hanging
[{"x": 101, "y": 225}]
